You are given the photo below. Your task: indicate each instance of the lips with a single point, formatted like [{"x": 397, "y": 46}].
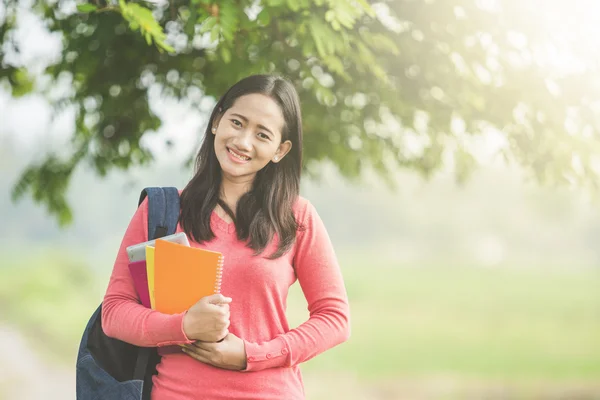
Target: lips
[{"x": 237, "y": 156}]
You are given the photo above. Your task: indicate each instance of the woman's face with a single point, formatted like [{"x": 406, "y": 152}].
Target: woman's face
[{"x": 248, "y": 136}]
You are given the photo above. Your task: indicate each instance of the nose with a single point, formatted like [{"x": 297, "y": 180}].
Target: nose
[{"x": 243, "y": 140}]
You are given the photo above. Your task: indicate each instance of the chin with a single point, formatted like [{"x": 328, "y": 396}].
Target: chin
[{"x": 235, "y": 171}]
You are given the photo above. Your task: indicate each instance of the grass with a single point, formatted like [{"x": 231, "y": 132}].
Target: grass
[
  {"x": 50, "y": 299},
  {"x": 506, "y": 327},
  {"x": 515, "y": 324}
]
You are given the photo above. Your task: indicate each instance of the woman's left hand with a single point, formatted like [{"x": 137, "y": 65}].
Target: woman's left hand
[{"x": 230, "y": 353}]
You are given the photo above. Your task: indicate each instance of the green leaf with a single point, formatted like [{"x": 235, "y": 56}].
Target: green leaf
[
  {"x": 163, "y": 45},
  {"x": 226, "y": 55},
  {"x": 335, "y": 65},
  {"x": 214, "y": 33},
  {"x": 22, "y": 83},
  {"x": 293, "y": 5},
  {"x": 381, "y": 42},
  {"x": 320, "y": 36},
  {"x": 367, "y": 7},
  {"x": 86, "y": 8},
  {"x": 264, "y": 17},
  {"x": 346, "y": 17},
  {"x": 141, "y": 18},
  {"x": 228, "y": 33},
  {"x": 308, "y": 48},
  {"x": 190, "y": 22},
  {"x": 208, "y": 24}
]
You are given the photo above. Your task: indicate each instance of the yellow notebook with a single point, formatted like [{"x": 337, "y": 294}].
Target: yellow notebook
[
  {"x": 150, "y": 273},
  {"x": 183, "y": 275}
]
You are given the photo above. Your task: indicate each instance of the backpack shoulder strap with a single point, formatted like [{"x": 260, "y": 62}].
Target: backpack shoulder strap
[
  {"x": 163, "y": 215},
  {"x": 163, "y": 210}
]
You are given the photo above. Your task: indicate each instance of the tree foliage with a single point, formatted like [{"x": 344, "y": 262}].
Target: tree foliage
[{"x": 397, "y": 82}]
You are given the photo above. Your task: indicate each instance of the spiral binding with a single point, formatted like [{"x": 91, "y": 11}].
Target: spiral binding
[{"x": 219, "y": 274}]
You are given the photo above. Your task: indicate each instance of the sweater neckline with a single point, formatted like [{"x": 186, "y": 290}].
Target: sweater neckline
[{"x": 219, "y": 223}]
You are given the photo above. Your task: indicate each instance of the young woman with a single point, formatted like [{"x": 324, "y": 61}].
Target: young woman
[{"x": 244, "y": 202}]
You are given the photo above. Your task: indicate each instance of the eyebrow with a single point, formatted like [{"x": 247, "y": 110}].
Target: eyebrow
[{"x": 259, "y": 125}]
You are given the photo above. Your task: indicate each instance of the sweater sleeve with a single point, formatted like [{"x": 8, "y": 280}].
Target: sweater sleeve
[
  {"x": 123, "y": 316},
  {"x": 321, "y": 281}
]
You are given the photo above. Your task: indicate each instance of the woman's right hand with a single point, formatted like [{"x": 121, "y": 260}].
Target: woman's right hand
[{"x": 208, "y": 319}]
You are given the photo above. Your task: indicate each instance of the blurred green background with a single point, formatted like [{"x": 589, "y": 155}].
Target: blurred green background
[
  {"x": 451, "y": 148},
  {"x": 487, "y": 291}
]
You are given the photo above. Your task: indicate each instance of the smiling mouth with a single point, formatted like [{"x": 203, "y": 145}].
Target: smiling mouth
[{"x": 238, "y": 156}]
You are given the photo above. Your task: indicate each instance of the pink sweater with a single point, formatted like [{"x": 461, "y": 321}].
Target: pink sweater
[{"x": 259, "y": 289}]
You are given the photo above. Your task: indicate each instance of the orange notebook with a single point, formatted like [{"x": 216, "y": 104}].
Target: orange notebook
[{"x": 183, "y": 275}]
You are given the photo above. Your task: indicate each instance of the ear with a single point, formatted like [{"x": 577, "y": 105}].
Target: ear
[
  {"x": 281, "y": 152},
  {"x": 216, "y": 121}
]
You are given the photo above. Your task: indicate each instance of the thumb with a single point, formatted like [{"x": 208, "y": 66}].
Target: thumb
[{"x": 218, "y": 299}]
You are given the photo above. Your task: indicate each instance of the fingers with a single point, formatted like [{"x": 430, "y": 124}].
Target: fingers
[
  {"x": 223, "y": 335},
  {"x": 216, "y": 335},
  {"x": 221, "y": 321},
  {"x": 220, "y": 309},
  {"x": 202, "y": 347},
  {"x": 224, "y": 313},
  {"x": 197, "y": 353},
  {"x": 217, "y": 299},
  {"x": 220, "y": 333}
]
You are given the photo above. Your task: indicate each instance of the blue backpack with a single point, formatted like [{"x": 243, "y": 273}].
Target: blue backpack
[{"x": 110, "y": 369}]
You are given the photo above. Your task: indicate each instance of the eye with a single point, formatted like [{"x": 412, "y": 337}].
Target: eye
[
  {"x": 236, "y": 122},
  {"x": 264, "y": 136}
]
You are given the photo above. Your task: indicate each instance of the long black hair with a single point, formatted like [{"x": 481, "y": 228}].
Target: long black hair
[{"x": 266, "y": 209}]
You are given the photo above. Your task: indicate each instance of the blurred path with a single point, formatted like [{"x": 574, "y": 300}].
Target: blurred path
[{"x": 25, "y": 376}]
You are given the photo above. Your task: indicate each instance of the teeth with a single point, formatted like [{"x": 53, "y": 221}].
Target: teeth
[{"x": 238, "y": 156}]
